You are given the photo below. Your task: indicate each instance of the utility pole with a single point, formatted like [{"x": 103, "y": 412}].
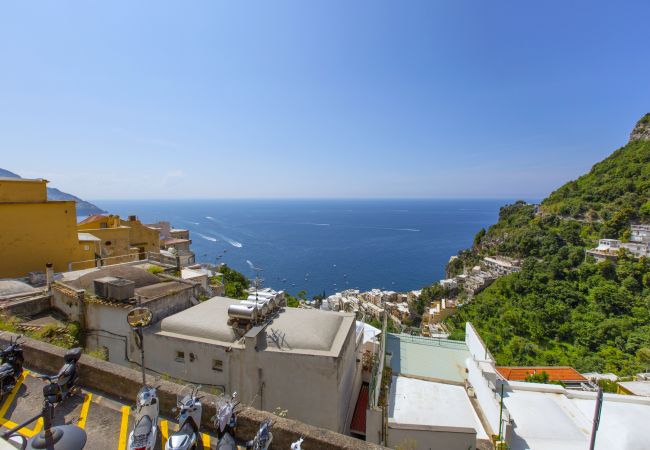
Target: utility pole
[{"x": 597, "y": 411}]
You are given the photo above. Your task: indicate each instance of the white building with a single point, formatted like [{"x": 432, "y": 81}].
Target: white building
[
  {"x": 640, "y": 233},
  {"x": 302, "y": 360},
  {"x": 425, "y": 414}
]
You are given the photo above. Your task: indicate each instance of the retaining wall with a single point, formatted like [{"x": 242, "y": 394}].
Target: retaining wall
[{"x": 124, "y": 383}]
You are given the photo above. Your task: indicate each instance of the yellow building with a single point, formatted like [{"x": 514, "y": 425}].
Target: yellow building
[
  {"x": 35, "y": 231},
  {"x": 121, "y": 240}
]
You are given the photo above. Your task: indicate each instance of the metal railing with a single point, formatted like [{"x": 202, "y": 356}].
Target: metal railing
[{"x": 432, "y": 341}]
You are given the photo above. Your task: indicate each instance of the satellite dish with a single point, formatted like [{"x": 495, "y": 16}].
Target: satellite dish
[{"x": 139, "y": 317}]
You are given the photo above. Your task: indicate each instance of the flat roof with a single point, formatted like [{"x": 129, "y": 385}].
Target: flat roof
[
  {"x": 432, "y": 358},
  {"x": 641, "y": 388},
  {"x": 160, "y": 289},
  {"x": 303, "y": 330},
  {"x": 427, "y": 405},
  {"x": 24, "y": 180},
  {"x": 551, "y": 417},
  {"x": 87, "y": 237}
]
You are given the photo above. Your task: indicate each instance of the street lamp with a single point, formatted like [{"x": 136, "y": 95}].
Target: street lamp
[{"x": 139, "y": 318}]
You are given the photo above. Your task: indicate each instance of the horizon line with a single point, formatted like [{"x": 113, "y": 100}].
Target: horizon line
[{"x": 525, "y": 198}]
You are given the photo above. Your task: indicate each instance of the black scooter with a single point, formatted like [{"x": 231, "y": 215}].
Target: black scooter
[
  {"x": 62, "y": 384},
  {"x": 12, "y": 365}
]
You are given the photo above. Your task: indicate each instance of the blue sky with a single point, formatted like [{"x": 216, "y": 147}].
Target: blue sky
[{"x": 318, "y": 98}]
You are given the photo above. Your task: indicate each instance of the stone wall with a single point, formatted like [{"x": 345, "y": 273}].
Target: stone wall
[
  {"x": 124, "y": 383},
  {"x": 26, "y": 307}
]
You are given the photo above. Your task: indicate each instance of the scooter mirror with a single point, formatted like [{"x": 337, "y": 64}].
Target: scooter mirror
[
  {"x": 234, "y": 394},
  {"x": 174, "y": 410}
]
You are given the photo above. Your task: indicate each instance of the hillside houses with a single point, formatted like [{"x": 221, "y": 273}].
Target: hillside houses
[{"x": 639, "y": 245}]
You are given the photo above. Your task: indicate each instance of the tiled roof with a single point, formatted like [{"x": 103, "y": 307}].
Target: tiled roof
[
  {"x": 358, "y": 424},
  {"x": 556, "y": 373},
  {"x": 93, "y": 218}
]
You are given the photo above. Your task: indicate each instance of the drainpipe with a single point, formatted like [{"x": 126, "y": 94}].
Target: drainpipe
[{"x": 49, "y": 275}]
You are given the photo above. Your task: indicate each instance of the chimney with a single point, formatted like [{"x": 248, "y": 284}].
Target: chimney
[
  {"x": 49, "y": 274},
  {"x": 132, "y": 218}
]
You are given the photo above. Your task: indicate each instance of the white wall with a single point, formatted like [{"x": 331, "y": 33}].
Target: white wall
[
  {"x": 430, "y": 440},
  {"x": 313, "y": 389}
]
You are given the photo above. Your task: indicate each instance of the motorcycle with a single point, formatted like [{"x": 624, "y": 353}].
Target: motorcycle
[
  {"x": 298, "y": 444},
  {"x": 189, "y": 420},
  {"x": 225, "y": 421},
  {"x": 63, "y": 383},
  {"x": 263, "y": 438},
  {"x": 12, "y": 365},
  {"x": 147, "y": 409}
]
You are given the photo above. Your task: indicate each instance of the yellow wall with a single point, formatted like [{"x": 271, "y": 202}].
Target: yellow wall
[
  {"x": 22, "y": 191},
  {"x": 33, "y": 234},
  {"x": 114, "y": 242},
  {"x": 143, "y": 236},
  {"x": 126, "y": 237}
]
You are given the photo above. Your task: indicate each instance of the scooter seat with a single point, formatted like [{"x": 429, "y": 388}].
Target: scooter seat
[
  {"x": 143, "y": 427},
  {"x": 66, "y": 371},
  {"x": 5, "y": 369}
]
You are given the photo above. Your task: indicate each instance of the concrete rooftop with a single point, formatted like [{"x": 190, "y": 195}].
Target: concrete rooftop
[
  {"x": 427, "y": 405},
  {"x": 304, "y": 330},
  {"x": 551, "y": 417}
]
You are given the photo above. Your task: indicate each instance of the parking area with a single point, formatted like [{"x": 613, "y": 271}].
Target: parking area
[{"x": 107, "y": 422}]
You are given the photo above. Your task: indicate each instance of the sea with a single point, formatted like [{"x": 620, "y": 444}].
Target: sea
[{"x": 325, "y": 246}]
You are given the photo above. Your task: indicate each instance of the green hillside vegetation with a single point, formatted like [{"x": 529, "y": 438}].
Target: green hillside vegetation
[{"x": 564, "y": 308}]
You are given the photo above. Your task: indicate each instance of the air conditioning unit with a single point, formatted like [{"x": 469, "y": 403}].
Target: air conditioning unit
[
  {"x": 121, "y": 290},
  {"x": 101, "y": 286}
]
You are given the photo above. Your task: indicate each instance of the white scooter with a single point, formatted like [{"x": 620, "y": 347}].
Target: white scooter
[
  {"x": 189, "y": 410},
  {"x": 263, "y": 438},
  {"x": 225, "y": 421},
  {"x": 145, "y": 431}
]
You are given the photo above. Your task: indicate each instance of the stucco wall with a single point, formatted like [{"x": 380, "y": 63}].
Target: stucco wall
[
  {"x": 430, "y": 440},
  {"x": 123, "y": 383},
  {"x": 25, "y": 191},
  {"x": 306, "y": 386},
  {"x": 33, "y": 234},
  {"x": 26, "y": 308}
]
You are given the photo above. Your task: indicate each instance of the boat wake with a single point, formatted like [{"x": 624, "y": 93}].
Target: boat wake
[
  {"x": 208, "y": 238},
  {"x": 232, "y": 242}
]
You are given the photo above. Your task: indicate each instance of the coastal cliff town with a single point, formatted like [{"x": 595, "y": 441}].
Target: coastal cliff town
[{"x": 383, "y": 367}]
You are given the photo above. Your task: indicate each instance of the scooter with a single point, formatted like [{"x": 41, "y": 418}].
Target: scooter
[
  {"x": 189, "y": 410},
  {"x": 147, "y": 409},
  {"x": 12, "y": 365},
  {"x": 263, "y": 438},
  {"x": 298, "y": 444},
  {"x": 63, "y": 383},
  {"x": 225, "y": 421}
]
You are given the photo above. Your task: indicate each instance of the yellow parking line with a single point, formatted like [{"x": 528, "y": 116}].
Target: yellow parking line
[
  {"x": 164, "y": 430},
  {"x": 81, "y": 423},
  {"x": 206, "y": 440},
  {"x": 10, "y": 397},
  {"x": 124, "y": 427}
]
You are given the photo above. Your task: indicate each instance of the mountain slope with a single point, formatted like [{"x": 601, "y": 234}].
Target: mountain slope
[
  {"x": 563, "y": 308},
  {"x": 84, "y": 208}
]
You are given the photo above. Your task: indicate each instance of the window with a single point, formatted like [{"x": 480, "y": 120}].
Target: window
[
  {"x": 217, "y": 365},
  {"x": 180, "y": 357},
  {"x": 108, "y": 243},
  {"x": 103, "y": 225}
]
